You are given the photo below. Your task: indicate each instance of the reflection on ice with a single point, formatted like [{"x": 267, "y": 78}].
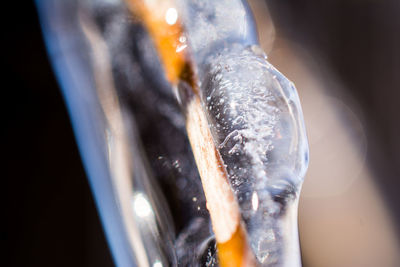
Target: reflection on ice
[{"x": 141, "y": 206}]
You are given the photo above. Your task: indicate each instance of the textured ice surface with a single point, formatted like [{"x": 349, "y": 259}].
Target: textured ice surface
[
  {"x": 253, "y": 112},
  {"x": 256, "y": 122},
  {"x": 210, "y": 24},
  {"x": 255, "y": 118}
]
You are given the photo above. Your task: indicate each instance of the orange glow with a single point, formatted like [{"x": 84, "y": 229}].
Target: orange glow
[
  {"x": 167, "y": 36},
  {"x": 235, "y": 252}
]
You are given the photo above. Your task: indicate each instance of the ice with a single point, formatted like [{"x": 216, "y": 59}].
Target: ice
[
  {"x": 211, "y": 23},
  {"x": 253, "y": 112},
  {"x": 256, "y": 122},
  {"x": 196, "y": 245},
  {"x": 255, "y": 118}
]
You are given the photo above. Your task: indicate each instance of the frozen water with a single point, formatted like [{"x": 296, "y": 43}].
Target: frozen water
[
  {"x": 256, "y": 122},
  {"x": 253, "y": 112},
  {"x": 196, "y": 246},
  {"x": 210, "y": 24},
  {"x": 255, "y": 118}
]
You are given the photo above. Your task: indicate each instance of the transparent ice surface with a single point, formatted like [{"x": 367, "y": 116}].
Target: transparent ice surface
[
  {"x": 128, "y": 127},
  {"x": 256, "y": 119},
  {"x": 253, "y": 111},
  {"x": 256, "y": 122},
  {"x": 211, "y": 24}
]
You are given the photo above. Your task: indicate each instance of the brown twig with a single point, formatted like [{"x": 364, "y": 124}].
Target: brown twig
[{"x": 233, "y": 247}]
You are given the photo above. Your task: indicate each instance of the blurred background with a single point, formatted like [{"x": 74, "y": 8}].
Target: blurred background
[{"x": 343, "y": 56}]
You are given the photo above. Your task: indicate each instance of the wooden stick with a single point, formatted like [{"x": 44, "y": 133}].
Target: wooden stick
[
  {"x": 233, "y": 247},
  {"x": 221, "y": 201}
]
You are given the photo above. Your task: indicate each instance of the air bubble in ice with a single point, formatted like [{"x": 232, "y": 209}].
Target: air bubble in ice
[{"x": 261, "y": 138}]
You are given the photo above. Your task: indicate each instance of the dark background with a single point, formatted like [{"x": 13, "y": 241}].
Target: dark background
[
  {"x": 360, "y": 41},
  {"x": 50, "y": 217}
]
